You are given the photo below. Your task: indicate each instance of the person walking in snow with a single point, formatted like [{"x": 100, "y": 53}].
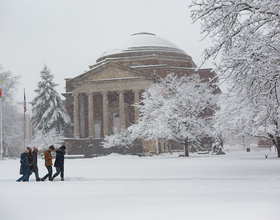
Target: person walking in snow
[
  {"x": 24, "y": 169},
  {"x": 48, "y": 163},
  {"x": 34, "y": 167},
  {"x": 59, "y": 162},
  {"x": 30, "y": 163}
]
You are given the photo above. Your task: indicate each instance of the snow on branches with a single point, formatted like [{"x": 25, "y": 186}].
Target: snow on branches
[
  {"x": 43, "y": 140},
  {"x": 246, "y": 35},
  {"x": 12, "y": 124},
  {"x": 181, "y": 112},
  {"x": 49, "y": 112},
  {"x": 119, "y": 139},
  {"x": 178, "y": 109}
]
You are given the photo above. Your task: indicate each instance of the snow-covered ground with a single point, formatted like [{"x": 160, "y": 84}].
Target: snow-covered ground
[{"x": 238, "y": 185}]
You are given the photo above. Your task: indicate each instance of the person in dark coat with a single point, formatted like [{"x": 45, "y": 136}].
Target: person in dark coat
[
  {"x": 59, "y": 162},
  {"x": 24, "y": 169},
  {"x": 30, "y": 163},
  {"x": 34, "y": 167},
  {"x": 30, "y": 160}
]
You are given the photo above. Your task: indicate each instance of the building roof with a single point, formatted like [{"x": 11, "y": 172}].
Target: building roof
[{"x": 143, "y": 42}]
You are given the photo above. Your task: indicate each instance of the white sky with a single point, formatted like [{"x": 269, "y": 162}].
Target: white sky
[{"x": 69, "y": 35}]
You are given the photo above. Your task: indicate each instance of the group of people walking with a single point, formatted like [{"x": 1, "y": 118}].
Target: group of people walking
[{"x": 28, "y": 164}]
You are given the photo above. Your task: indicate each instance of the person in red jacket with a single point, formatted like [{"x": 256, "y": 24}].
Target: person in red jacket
[{"x": 48, "y": 163}]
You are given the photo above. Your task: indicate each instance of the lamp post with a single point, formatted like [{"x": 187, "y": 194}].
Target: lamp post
[
  {"x": 24, "y": 110},
  {"x": 1, "y": 100}
]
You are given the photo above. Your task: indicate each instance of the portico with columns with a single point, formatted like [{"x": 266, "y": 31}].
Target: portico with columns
[
  {"x": 112, "y": 118},
  {"x": 104, "y": 100}
]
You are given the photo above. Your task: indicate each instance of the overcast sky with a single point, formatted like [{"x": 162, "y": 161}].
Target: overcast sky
[{"x": 69, "y": 35}]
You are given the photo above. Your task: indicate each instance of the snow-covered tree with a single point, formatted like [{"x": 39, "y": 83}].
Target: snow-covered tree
[
  {"x": 12, "y": 129},
  {"x": 253, "y": 116},
  {"x": 178, "y": 109},
  {"x": 123, "y": 139},
  {"x": 48, "y": 111},
  {"x": 246, "y": 36},
  {"x": 43, "y": 140}
]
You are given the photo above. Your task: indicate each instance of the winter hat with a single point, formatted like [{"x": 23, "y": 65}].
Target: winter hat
[
  {"x": 62, "y": 147},
  {"x": 35, "y": 149},
  {"x": 26, "y": 151}
]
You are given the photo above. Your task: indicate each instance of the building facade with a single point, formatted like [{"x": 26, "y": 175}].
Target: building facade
[{"x": 102, "y": 100}]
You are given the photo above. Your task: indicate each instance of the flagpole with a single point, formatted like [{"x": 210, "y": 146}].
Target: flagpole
[
  {"x": 24, "y": 110},
  {"x": 1, "y": 100}
]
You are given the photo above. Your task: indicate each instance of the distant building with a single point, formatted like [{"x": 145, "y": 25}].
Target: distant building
[{"x": 102, "y": 99}]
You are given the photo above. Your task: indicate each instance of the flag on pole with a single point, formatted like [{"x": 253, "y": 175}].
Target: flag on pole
[{"x": 24, "y": 102}]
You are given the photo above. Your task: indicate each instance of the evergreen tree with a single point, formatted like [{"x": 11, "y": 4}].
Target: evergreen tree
[{"x": 49, "y": 112}]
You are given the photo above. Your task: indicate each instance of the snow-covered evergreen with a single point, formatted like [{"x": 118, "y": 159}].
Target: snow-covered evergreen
[{"x": 49, "y": 112}]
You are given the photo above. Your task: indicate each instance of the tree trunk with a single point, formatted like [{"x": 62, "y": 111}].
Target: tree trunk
[
  {"x": 277, "y": 145},
  {"x": 186, "y": 147},
  {"x": 4, "y": 151}
]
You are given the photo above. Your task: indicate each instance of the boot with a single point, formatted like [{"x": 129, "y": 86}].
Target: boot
[{"x": 62, "y": 179}]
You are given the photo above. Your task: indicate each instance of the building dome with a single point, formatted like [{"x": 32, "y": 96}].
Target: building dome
[{"x": 143, "y": 44}]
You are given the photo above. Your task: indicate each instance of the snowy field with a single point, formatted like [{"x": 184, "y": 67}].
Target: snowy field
[{"x": 238, "y": 185}]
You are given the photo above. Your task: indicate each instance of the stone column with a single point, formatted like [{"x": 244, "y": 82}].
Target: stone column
[
  {"x": 136, "y": 108},
  {"x": 90, "y": 116},
  {"x": 105, "y": 114},
  {"x": 121, "y": 110},
  {"x": 82, "y": 123},
  {"x": 76, "y": 116}
]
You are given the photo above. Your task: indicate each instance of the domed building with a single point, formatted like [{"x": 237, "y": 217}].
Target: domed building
[{"x": 101, "y": 100}]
